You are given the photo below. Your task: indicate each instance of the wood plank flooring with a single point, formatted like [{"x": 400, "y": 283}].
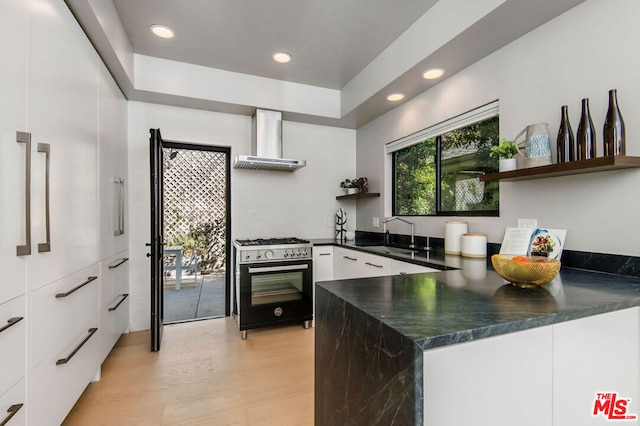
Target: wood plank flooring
[{"x": 204, "y": 375}]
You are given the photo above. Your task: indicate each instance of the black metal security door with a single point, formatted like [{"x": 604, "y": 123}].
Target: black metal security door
[{"x": 157, "y": 239}]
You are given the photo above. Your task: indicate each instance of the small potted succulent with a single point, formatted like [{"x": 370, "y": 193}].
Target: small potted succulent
[
  {"x": 350, "y": 185},
  {"x": 505, "y": 151}
]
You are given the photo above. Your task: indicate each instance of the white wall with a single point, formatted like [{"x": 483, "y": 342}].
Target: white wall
[
  {"x": 582, "y": 53},
  {"x": 263, "y": 203}
]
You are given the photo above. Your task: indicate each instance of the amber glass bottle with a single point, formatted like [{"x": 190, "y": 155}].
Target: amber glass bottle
[
  {"x": 613, "y": 131},
  {"x": 566, "y": 150},
  {"x": 586, "y": 137}
]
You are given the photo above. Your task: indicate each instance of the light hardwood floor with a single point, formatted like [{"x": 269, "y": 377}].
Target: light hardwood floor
[{"x": 204, "y": 375}]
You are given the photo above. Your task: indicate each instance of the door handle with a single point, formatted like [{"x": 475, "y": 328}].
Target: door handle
[
  {"x": 25, "y": 138},
  {"x": 45, "y": 148}
]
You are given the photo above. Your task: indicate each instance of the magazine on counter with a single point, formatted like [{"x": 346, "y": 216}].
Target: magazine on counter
[{"x": 534, "y": 242}]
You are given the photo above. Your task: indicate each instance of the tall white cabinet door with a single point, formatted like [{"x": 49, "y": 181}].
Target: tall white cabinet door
[
  {"x": 62, "y": 93},
  {"x": 13, "y": 43},
  {"x": 112, "y": 143}
]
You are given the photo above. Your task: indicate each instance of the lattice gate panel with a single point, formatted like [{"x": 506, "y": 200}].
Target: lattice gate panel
[{"x": 195, "y": 191}]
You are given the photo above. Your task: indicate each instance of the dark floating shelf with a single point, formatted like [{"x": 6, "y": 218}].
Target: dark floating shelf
[
  {"x": 592, "y": 165},
  {"x": 358, "y": 195}
]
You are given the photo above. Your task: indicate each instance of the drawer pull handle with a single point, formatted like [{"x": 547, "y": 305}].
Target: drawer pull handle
[
  {"x": 11, "y": 411},
  {"x": 350, "y": 258},
  {"x": 25, "y": 138},
  {"x": 124, "y": 296},
  {"x": 403, "y": 273},
  {"x": 115, "y": 265},
  {"x": 325, "y": 254},
  {"x": 66, "y": 293},
  {"x": 373, "y": 264},
  {"x": 61, "y": 361},
  {"x": 10, "y": 322}
]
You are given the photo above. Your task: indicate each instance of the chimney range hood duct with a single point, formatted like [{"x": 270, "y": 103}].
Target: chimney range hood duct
[{"x": 266, "y": 145}]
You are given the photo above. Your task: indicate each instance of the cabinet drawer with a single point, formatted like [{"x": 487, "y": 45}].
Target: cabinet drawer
[
  {"x": 59, "y": 308},
  {"x": 373, "y": 266},
  {"x": 12, "y": 343},
  {"x": 12, "y": 405},
  {"x": 402, "y": 268},
  {"x": 114, "y": 320},
  {"x": 56, "y": 386},
  {"x": 114, "y": 278}
]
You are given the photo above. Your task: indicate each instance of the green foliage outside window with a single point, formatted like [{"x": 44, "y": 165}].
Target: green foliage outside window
[{"x": 463, "y": 158}]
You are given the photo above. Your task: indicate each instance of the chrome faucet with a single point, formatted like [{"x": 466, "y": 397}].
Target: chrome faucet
[{"x": 386, "y": 232}]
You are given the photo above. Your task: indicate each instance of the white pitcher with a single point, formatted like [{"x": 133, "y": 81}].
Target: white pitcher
[{"x": 537, "y": 145}]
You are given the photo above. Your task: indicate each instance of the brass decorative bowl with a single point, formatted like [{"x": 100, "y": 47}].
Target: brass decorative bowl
[{"x": 525, "y": 271}]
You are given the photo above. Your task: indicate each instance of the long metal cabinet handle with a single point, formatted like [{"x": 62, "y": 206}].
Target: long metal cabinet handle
[
  {"x": 349, "y": 258},
  {"x": 373, "y": 264},
  {"x": 25, "y": 250},
  {"x": 66, "y": 293},
  {"x": 124, "y": 296},
  {"x": 324, "y": 254},
  {"x": 120, "y": 226},
  {"x": 120, "y": 262},
  {"x": 46, "y": 246},
  {"x": 11, "y": 411},
  {"x": 10, "y": 322},
  {"x": 61, "y": 361},
  {"x": 279, "y": 268}
]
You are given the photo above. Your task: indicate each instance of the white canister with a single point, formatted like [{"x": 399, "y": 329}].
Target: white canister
[
  {"x": 474, "y": 245},
  {"x": 453, "y": 230}
]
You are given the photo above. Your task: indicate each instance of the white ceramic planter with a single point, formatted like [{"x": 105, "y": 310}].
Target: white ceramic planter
[
  {"x": 507, "y": 164},
  {"x": 352, "y": 190}
]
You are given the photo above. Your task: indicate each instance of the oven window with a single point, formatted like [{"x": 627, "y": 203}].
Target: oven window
[{"x": 274, "y": 288}]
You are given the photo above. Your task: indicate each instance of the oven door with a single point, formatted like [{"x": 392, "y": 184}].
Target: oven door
[{"x": 274, "y": 292}]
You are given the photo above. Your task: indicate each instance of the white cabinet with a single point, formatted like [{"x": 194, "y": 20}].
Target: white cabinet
[
  {"x": 500, "y": 381},
  {"x": 356, "y": 264},
  {"x": 112, "y": 184},
  {"x": 56, "y": 95},
  {"x": 12, "y": 407},
  {"x": 322, "y": 263},
  {"x": 12, "y": 347},
  {"x": 402, "y": 268},
  {"x": 13, "y": 39},
  {"x": 544, "y": 376},
  {"x": 593, "y": 355},
  {"x": 62, "y": 89},
  {"x": 114, "y": 301}
]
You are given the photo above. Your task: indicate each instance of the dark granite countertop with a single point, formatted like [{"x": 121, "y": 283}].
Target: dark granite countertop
[{"x": 443, "y": 308}]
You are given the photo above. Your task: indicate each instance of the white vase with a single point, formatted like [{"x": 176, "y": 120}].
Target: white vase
[
  {"x": 352, "y": 190},
  {"x": 507, "y": 164}
]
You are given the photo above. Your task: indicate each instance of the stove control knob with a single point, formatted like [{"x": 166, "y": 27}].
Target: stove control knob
[
  {"x": 286, "y": 254},
  {"x": 247, "y": 257},
  {"x": 258, "y": 256},
  {"x": 268, "y": 254}
]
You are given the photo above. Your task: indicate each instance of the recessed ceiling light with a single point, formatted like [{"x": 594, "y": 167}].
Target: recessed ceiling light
[
  {"x": 433, "y": 73},
  {"x": 281, "y": 57},
  {"x": 162, "y": 31},
  {"x": 395, "y": 97}
]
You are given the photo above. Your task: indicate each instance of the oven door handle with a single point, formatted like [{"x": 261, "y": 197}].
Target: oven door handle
[{"x": 278, "y": 268}]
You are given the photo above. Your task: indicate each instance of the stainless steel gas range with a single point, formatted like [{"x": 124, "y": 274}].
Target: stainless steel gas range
[{"x": 273, "y": 282}]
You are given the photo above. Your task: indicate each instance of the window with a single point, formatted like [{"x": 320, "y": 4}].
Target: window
[{"x": 436, "y": 171}]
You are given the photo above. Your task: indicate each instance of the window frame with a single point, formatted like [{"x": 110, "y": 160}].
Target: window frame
[{"x": 436, "y": 131}]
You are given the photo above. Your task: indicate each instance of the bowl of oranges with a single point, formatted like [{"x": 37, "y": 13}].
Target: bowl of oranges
[{"x": 525, "y": 271}]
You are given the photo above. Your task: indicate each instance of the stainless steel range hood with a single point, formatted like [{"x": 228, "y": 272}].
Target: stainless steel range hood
[{"x": 266, "y": 145}]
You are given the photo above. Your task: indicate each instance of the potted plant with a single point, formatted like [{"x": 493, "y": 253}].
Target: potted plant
[
  {"x": 505, "y": 151},
  {"x": 350, "y": 185}
]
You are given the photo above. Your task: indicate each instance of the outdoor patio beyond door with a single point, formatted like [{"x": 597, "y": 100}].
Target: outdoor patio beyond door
[{"x": 196, "y": 229}]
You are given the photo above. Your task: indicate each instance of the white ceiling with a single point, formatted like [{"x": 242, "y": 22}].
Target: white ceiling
[{"x": 353, "y": 52}]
